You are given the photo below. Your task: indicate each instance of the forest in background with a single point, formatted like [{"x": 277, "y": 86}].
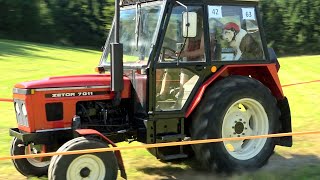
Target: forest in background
[{"x": 292, "y": 27}]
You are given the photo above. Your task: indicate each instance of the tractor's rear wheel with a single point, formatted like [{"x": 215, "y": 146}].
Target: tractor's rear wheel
[
  {"x": 83, "y": 166},
  {"x": 29, "y": 166},
  {"x": 236, "y": 106}
]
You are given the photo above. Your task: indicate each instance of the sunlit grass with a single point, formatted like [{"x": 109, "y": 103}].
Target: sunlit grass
[{"x": 21, "y": 61}]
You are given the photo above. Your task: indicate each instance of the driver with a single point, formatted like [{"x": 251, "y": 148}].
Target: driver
[{"x": 193, "y": 51}]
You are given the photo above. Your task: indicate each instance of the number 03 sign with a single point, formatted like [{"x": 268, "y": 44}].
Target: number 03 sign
[{"x": 248, "y": 13}]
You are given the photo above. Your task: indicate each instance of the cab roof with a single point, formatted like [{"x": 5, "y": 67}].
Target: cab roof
[{"x": 132, "y": 2}]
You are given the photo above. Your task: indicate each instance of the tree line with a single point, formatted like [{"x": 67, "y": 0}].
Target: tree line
[
  {"x": 71, "y": 22},
  {"x": 291, "y": 26}
]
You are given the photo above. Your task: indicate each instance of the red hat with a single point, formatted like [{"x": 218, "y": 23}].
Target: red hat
[{"x": 232, "y": 25}]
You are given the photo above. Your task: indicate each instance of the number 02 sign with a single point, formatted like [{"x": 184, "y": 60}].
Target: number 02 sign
[
  {"x": 248, "y": 13},
  {"x": 215, "y": 12}
]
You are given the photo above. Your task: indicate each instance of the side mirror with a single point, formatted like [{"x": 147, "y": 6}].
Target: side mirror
[{"x": 189, "y": 20}]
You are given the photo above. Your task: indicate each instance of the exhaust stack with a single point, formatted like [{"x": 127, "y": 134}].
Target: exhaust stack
[{"x": 116, "y": 50}]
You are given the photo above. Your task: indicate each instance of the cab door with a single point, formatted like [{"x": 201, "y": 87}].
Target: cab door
[
  {"x": 178, "y": 69},
  {"x": 181, "y": 62}
]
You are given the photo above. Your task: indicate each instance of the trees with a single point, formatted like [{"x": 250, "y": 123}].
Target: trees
[
  {"x": 291, "y": 26},
  {"x": 73, "y": 22},
  {"x": 18, "y": 18},
  {"x": 81, "y": 22}
]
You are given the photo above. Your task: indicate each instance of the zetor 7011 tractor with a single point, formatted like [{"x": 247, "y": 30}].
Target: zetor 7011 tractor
[{"x": 170, "y": 71}]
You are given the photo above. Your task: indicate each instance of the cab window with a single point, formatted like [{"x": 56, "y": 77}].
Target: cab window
[
  {"x": 234, "y": 33},
  {"x": 176, "y": 46}
]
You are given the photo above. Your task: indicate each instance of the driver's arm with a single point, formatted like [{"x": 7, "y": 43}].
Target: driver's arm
[{"x": 195, "y": 53}]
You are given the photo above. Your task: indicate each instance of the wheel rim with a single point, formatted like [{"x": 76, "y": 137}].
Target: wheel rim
[
  {"x": 87, "y": 166},
  {"x": 36, "y": 149},
  {"x": 246, "y": 117}
]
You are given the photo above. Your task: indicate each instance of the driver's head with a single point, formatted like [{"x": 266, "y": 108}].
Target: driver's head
[{"x": 230, "y": 31}]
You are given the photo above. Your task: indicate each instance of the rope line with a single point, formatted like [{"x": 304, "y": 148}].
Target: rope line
[
  {"x": 294, "y": 84},
  {"x": 146, "y": 146},
  {"x": 5, "y": 100}
]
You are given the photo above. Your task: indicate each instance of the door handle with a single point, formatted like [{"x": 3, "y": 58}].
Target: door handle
[{"x": 199, "y": 67}]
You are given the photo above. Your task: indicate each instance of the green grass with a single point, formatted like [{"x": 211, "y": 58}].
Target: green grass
[{"x": 22, "y": 61}]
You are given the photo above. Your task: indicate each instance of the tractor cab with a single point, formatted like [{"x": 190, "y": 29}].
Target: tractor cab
[{"x": 170, "y": 48}]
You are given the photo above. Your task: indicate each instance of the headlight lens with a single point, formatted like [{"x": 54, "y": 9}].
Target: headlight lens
[
  {"x": 24, "y": 109},
  {"x": 17, "y": 108}
]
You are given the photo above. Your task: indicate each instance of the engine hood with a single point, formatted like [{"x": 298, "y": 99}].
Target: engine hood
[{"x": 70, "y": 81}]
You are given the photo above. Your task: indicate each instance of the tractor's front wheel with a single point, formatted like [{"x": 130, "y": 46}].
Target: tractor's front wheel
[
  {"x": 83, "y": 166},
  {"x": 29, "y": 166},
  {"x": 236, "y": 107}
]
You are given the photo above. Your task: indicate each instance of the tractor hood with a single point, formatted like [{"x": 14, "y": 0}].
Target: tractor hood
[{"x": 71, "y": 81}]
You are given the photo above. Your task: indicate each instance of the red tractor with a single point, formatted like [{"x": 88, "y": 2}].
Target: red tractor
[{"x": 170, "y": 71}]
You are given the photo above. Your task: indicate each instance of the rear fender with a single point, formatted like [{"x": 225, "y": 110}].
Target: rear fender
[
  {"x": 265, "y": 73},
  {"x": 273, "y": 57},
  {"x": 285, "y": 120}
]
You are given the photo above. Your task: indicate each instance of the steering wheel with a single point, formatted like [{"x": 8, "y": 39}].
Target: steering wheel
[{"x": 169, "y": 56}]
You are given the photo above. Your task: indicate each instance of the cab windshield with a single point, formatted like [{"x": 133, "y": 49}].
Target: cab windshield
[{"x": 137, "y": 29}]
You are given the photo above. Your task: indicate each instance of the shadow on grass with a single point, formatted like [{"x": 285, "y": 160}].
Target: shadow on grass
[
  {"x": 278, "y": 167},
  {"x": 190, "y": 170},
  {"x": 277, "y": 161},
  {"x": 18, "y": 48},
  {"x": 15, "y": 48}
]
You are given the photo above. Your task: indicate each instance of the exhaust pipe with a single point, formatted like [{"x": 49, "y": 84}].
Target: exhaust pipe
[{"x": 116, "y": 50}]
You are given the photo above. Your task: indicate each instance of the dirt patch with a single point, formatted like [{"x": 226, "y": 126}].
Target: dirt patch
[{"x": 283, "y": 162}]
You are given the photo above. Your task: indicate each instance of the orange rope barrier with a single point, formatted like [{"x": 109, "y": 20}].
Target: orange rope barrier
[
  {"x": 6, "y": 100},
  {"x": 146, "y": 146},
  {"x": 294, "y": 84}
]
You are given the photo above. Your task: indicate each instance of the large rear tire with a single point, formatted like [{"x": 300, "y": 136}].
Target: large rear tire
[
  {"x": 83, "y": 166},
  {"x": 236, "y": 106},
  {"x": 29, "y": 166}
]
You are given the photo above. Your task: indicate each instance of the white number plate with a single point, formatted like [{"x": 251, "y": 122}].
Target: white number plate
[
  {"x": 215, "y": 12},
  {"x": 248, "y": 13}
]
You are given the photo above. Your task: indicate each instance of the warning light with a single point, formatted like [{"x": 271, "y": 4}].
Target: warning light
[{"x": 213, "y": 69}]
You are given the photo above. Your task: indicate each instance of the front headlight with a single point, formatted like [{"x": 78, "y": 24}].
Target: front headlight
[
  {"x": 24, "y": 109},
  {"x": 17, "y": 108}
]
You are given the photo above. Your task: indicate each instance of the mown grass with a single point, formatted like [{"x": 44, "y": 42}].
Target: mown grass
[{"x": 22, "y": 61}]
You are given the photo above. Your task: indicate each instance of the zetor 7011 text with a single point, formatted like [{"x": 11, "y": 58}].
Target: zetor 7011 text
[{"x": 170, "y": 71}]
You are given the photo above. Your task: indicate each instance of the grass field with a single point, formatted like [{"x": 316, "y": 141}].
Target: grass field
[{"x": 21, "y": 61}]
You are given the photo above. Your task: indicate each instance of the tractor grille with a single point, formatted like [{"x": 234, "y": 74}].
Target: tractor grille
[{"x": 21, "y": 112}]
